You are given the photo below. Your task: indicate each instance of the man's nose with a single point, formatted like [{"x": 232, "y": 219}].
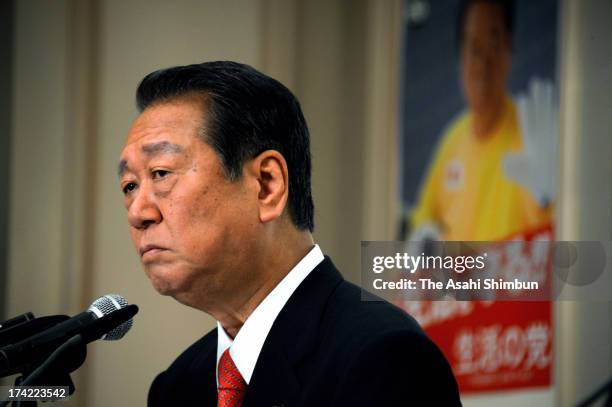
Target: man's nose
[{"x": 144, "y": 210}]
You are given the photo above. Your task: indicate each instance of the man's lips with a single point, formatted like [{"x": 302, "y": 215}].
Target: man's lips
[{"x": 150, "y": 250}]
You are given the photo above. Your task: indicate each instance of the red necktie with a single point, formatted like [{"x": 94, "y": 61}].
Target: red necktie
[{"x": 231, "y": 384}]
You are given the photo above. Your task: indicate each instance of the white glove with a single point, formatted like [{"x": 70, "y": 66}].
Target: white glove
[{"x": 535, "y": 167}]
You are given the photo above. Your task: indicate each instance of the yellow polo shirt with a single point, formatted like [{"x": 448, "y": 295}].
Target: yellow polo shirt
[{"x": 466, "y": 193}]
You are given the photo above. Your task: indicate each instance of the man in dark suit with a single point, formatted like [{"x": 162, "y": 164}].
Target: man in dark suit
[{"x": 216, "y": 177}]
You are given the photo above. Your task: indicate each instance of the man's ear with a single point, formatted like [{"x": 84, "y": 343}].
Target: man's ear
[{"x": 270, "y": 170}]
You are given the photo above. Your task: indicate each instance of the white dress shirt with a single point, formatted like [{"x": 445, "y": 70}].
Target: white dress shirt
[{"x": 247, "y": 344}]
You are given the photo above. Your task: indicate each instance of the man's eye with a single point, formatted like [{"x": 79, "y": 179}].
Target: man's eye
[
  {"x": 160, "y": 173},
  {"x": 129, "y": 187}
]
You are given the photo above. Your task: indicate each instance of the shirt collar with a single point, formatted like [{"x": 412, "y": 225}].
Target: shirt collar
[{"x": 247, "y": 344}]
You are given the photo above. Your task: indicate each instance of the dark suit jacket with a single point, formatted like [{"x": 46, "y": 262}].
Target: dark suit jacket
[{"x": 327, "y": 347}]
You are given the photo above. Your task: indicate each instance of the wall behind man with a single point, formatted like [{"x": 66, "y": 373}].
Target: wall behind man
[
  {"x": 6, "y": 54},
  {"x": 584, "y": 328}
]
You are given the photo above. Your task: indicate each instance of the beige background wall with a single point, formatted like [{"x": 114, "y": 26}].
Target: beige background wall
[
  {"x": 77, "y": 63},
  {"x": 584, "y": 329}
]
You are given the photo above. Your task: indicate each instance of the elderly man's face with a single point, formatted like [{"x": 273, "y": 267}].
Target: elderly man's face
[
  {"x": 485, "y": 55},
  {"x": 191, "y": 226}
]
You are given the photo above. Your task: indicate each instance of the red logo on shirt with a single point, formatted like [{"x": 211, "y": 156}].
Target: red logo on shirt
[{"x": 455, "y": 174}]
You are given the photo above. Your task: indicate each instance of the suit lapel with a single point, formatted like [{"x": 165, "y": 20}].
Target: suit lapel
[
  {"x": 292, "y": 338},
  {"x": 273, "y": 382},
  {"x": 204, "y": 375}
]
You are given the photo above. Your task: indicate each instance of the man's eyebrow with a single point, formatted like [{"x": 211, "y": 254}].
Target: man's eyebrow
[
  {"x": 162, "y": 147},
  {"x": 122, "y": 168}
]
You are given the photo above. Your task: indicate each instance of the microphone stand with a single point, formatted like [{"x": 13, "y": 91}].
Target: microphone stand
[
  {"x": 55, "y": 370},
  {"x": 70, "y": 355}
]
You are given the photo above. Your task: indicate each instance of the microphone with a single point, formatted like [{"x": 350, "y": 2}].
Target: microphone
[
  {"x": 108, "y": 318},
  {"x": 18, "y": 320},
  {"x": 19, "y": 331}
]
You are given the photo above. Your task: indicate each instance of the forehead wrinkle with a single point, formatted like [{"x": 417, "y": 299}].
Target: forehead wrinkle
[{"x": 143, "y": 128}]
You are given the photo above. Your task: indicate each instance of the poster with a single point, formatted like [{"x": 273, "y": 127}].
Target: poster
[{"x": 478, "y": 160}]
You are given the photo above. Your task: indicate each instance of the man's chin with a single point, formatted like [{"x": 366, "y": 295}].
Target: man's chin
[
  {"x": 160, "y": 281},
  {"x": 175, "y": 282},
  {"x": 162, "y": 287}
]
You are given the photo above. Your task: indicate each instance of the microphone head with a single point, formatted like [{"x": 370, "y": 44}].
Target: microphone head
[{"x": 104, "y": 306}]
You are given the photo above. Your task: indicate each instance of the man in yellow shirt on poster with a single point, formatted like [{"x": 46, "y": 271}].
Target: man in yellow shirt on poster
[{"x": 492, "y": 177}]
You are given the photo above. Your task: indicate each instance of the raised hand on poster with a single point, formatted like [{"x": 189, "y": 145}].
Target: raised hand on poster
[{"x": 535, "y": 167}]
